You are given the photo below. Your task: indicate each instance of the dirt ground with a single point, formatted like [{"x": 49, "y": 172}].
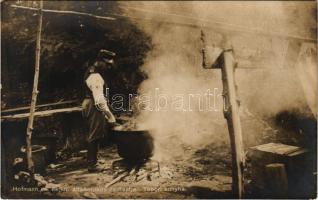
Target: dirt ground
[
  {"x": 199, "y": 173},
  {"x": 194, "y": 172}
]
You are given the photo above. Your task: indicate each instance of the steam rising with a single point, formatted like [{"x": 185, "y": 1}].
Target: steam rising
[{"x": 269, "y": 85}]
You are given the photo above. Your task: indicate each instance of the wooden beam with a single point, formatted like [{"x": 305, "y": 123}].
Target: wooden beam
[
  {"x": 66, "y": 12},
  {"x": 38, "y": 106},
  {"x": 41, "y": 113},
  {"x": 204, "y": 23}
]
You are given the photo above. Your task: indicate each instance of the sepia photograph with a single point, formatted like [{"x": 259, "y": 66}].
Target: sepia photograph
[{"x": 158, "y": 99}]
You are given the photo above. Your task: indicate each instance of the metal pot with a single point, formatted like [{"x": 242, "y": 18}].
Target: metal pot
[{"x": 134, "y": 145}]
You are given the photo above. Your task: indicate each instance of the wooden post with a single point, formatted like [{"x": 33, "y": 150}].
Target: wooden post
[
  {"x": 224, "y": 59},
  {"x": 277, "y": 182},
  {"x": 34, "y": 91},
  {"x": 231, "y": 114}
]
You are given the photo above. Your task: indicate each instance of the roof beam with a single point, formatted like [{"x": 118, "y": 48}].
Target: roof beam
[{"x": 66, "y": 12}]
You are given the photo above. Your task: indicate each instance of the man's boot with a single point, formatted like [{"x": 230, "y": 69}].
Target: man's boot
[{"x": 92, "y": 151}]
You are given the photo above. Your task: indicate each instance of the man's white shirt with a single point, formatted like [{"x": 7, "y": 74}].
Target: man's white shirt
[{"x": 95, "y": 83}]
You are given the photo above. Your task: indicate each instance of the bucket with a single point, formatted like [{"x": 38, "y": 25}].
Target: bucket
[{"x": 50, "y": 143}]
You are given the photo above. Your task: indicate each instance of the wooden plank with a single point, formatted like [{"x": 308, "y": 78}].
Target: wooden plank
[
  {"x": 38, "y": 106},
  {"x": 280, "y": 149},
  {"x": 42, "y": 113}
]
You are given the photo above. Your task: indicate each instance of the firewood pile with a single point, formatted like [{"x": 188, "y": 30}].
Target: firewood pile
[
  {"x": 141, "y": 172},
  {"x": 37, "y": 181}
]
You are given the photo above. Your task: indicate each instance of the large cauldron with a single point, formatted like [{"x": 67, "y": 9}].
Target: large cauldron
[{"x": 134, "y": 145}]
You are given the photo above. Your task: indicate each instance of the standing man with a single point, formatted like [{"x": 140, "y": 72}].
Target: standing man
[{"x": 95, "y": 106}]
